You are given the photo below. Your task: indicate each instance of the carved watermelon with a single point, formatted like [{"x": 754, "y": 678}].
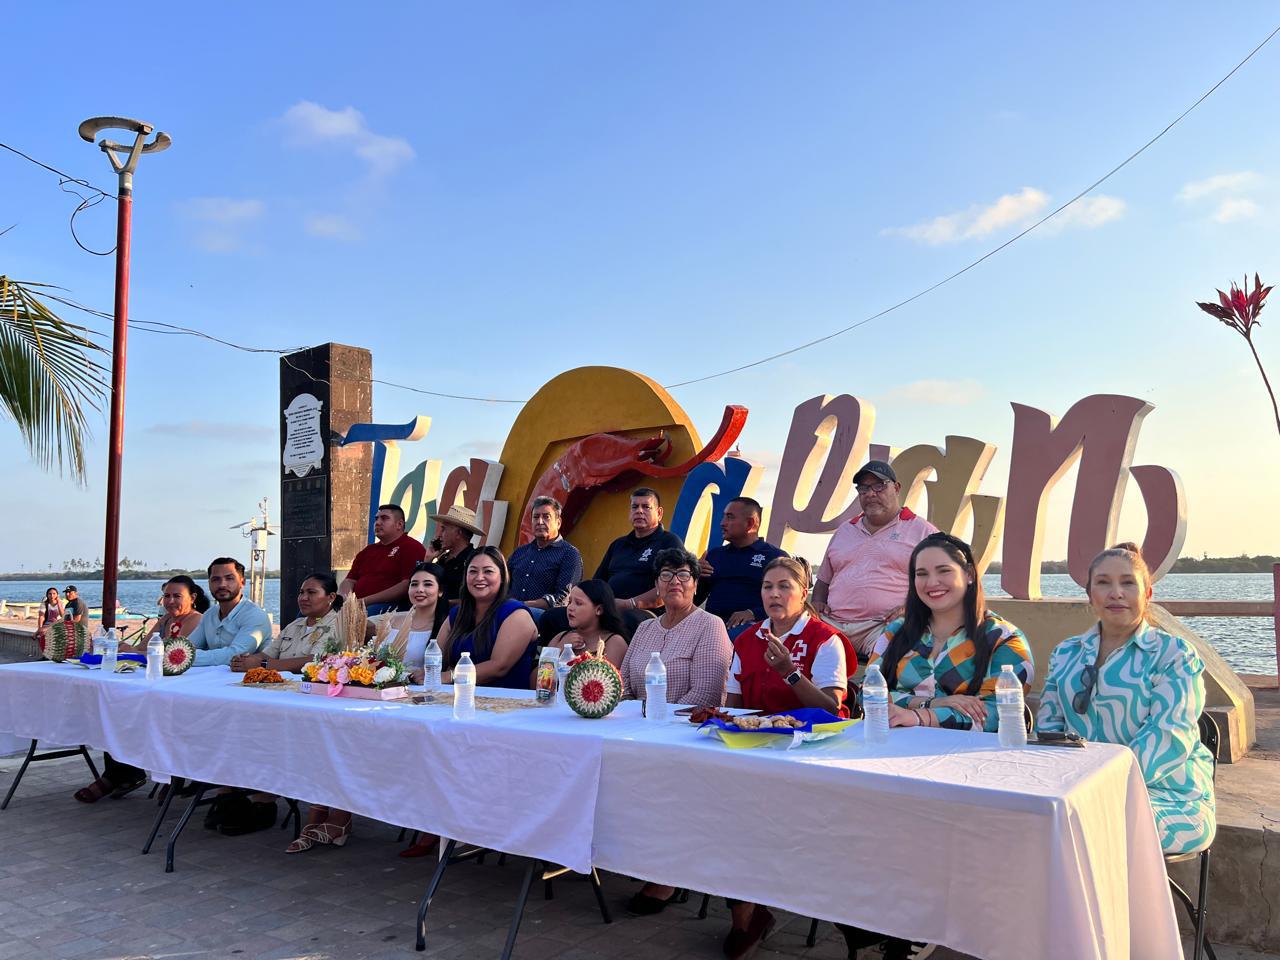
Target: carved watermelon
[
  {"x": 61, "y": 644},
  {"x": 593, "y": 687},
  {"x": 179, "y": 655}
]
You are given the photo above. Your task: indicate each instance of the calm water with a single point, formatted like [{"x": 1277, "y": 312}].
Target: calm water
[{"x": 1247, "y": 643}]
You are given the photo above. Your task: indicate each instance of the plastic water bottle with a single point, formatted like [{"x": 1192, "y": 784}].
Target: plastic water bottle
[
  {"x": 655, "y": 689},
  {"x": 464, "y": 689},
  {"x": 432, "y": 659},
  {"x": 875, "y": 706},
  {"x": 1013, "y": 724},
  {"x": 94, "y": 644},
  {"x": 110, "y": 651},
  {"x": 547, "y": 681},
  {"x": 567, "y": 656},
  {"x": 155, "y": 657}
]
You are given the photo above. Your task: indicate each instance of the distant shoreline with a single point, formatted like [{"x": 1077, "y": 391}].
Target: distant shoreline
[{"x": 95, "y": 576}]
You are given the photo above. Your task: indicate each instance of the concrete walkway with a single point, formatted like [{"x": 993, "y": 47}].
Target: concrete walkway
[{"x": 74, "y": 885}]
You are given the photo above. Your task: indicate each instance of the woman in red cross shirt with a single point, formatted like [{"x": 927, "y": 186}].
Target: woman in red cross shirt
[{"x": 789, "y": 660}]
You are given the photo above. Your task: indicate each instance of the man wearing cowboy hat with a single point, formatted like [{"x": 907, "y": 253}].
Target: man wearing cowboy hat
[
  {"x": 380, "y": 573},
  {"x": 452, "y": 547}
]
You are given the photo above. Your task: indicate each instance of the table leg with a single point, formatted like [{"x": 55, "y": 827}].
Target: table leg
[
  {"x": 525, "y": 885},
  {"x": 425, "y": 903},
  {"x": 177, "y": 831}
]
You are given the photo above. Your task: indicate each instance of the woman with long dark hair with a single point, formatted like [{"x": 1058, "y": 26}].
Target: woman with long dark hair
[
  {"x": 412, "y": 629},
  {"x": 497, "y": 631},
  {"x": 941, "y": 659},
  {"x": 593, "y": 616},
  {"x": 50, "y": 611}
]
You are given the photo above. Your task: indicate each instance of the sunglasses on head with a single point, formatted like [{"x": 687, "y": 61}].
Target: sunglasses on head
[{"x": 1088, "y": 681}]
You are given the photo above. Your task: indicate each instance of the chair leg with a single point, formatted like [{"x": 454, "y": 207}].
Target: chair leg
[
  {"x": 598, "y": 889},
  {"x": 294, "y": 815},
  {"x": 182, "y": 823},
  {"x": 502, "y": 859},
  {"x": 521, "y": 900},
  {"x": 161, "y": 814},
  {"x": 548, "y": 892},
  {"x": 812, "y": 939},
  {"x": 89, "y": 760},
  {"x": 1201, "y": 905},
  {"x": 400, "y": 838},
  {"x": 155, "y": 787},
  {"x": 26, "y": 762},
  {"x": 425, "y": 903},
  {"x": 702, "y": 910}
]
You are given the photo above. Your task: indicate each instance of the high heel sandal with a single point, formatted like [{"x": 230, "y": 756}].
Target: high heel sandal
[{"x": 330, "y": 833}]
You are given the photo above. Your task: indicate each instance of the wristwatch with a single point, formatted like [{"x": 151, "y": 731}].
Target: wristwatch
[{"x": 793, "y": 677}]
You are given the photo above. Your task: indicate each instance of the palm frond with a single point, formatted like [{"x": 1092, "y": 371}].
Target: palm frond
[{"x": 48, "y": 378}]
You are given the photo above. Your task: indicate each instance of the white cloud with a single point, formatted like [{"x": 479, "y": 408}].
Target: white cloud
[
  {"x": 220, "y": 223},
  {"x": 977, "y": 221},
  {"x": 331, "y": 226},
  {"x": 1219, "y": 183},
  {"x": 1235, "y": 208},
  {"x": 1088, "y": 213},
  {"x": 311, "y": 124},
  {"x": 947, "y": 393},
  {"x": 1011, "y": 210}
]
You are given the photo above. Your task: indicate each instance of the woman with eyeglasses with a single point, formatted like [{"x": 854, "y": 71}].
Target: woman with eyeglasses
[
  {"x": 1125, "y": 681},
  {"x": 695, "y": 649},
  {"x": 941, "y": 659}
]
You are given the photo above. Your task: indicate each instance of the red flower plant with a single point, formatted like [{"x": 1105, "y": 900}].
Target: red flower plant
[{"x": 1239, "y": 310}]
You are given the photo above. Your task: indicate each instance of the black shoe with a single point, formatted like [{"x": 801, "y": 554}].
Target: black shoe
[
  {"x": 259, "y": 816},
  {"x": 226, "y": 808},
  {"x": 646, "y": 906}
]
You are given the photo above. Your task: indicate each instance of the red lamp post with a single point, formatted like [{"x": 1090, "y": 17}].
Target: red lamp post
[{"x": 124, "y": 169}]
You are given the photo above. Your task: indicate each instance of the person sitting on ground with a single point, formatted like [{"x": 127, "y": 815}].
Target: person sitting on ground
[
  {"x": 379, "y": 574},
  {"x": 695, "y": 649},
  {"x": 543, "y": 570},
  {"x": 76, "y": 608},
  {"x": 452, "y": 548},
  {"x": 184, "y": 603},
  {"x": 497, "y": 631},
  {"x": 790, "y": 660},
  {"x": 413, "y": 629},
  {"x": 1127, "y": 681},
  {"x": 305, "y": 638},
  {"x": 593, "y": 617},
  {"x": 865, "y": 574},
  {"x": 50, "y": 611},
  {"x": 235, "y": 626},
  {"x": 731, "y": 574}
]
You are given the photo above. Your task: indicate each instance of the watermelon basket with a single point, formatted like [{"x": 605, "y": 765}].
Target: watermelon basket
[
  {"x": 179, "y": 655},
  {"x": 61, "y": 643},
  {"x": 815, "y": 724},
  {"x": 592, "y": 687}
]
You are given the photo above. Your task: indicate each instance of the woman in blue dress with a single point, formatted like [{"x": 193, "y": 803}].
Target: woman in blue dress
[
  {"x": 1127, "y": 682},
  {"x": 497, "y": 631}
]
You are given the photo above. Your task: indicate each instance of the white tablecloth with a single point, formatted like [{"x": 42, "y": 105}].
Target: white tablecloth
[{"x": 938, "y": 835}]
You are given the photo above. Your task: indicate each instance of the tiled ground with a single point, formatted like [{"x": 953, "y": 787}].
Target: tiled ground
[{"x": 74, "y": 885}]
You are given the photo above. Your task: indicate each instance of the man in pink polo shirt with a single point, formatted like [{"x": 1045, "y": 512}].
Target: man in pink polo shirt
[{"x": 864, "y": 578}]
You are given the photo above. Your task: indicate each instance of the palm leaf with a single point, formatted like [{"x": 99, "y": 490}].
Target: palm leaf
[{"x": 47, "y": 378}]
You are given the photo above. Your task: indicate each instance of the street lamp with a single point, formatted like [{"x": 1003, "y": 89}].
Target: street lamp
[{"x": 124, "y": 170}]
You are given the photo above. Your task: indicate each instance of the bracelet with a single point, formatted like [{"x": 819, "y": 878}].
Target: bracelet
[{"x": 920, "y": 721}]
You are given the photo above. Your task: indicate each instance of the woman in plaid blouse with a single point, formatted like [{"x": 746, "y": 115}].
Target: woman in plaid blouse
[{"x": 942, "y": 658}]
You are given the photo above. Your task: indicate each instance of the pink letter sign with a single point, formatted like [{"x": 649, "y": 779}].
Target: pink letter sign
[
  {"x": 1100, "y": 431},
  {"x": 841, "y": 428}
]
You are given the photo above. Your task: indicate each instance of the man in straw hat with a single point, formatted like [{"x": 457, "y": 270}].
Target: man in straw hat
[
  {"x": 452, "y": 547},
  {"x": 380, "y": 573}
]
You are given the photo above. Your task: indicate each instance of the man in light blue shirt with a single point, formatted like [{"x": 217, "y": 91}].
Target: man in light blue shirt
[{"x": 236, "y": 625}]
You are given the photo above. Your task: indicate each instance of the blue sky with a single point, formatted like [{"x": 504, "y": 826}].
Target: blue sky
[{"x": 490, "y": 194}]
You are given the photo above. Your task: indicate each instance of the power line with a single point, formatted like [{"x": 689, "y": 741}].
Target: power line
[
  {"x": 174, "y": 330},
  {"x": 990, "y": 253},
  {"x": 85, "y": 202}
]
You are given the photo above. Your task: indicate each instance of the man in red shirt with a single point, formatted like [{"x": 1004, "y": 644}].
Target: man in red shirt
[{"x": 380, "y": 573}]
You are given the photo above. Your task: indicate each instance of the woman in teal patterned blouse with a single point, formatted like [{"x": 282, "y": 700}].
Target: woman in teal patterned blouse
[
  {"x": 942, "y": 658},
  {"x": 1127, "y": 682}
]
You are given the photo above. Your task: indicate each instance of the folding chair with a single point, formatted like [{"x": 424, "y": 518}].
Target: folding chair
[{"x": 1209, "y": 736}]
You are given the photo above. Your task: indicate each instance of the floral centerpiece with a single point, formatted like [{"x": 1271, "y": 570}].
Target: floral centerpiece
[{"x": 370, "y": 671}]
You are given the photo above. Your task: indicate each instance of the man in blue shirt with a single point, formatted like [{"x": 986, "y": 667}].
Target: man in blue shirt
[
  {"x": 732, "y": 574},
  {"x": 235, "y": 626},
  {"x": 543, "y": 570}
]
